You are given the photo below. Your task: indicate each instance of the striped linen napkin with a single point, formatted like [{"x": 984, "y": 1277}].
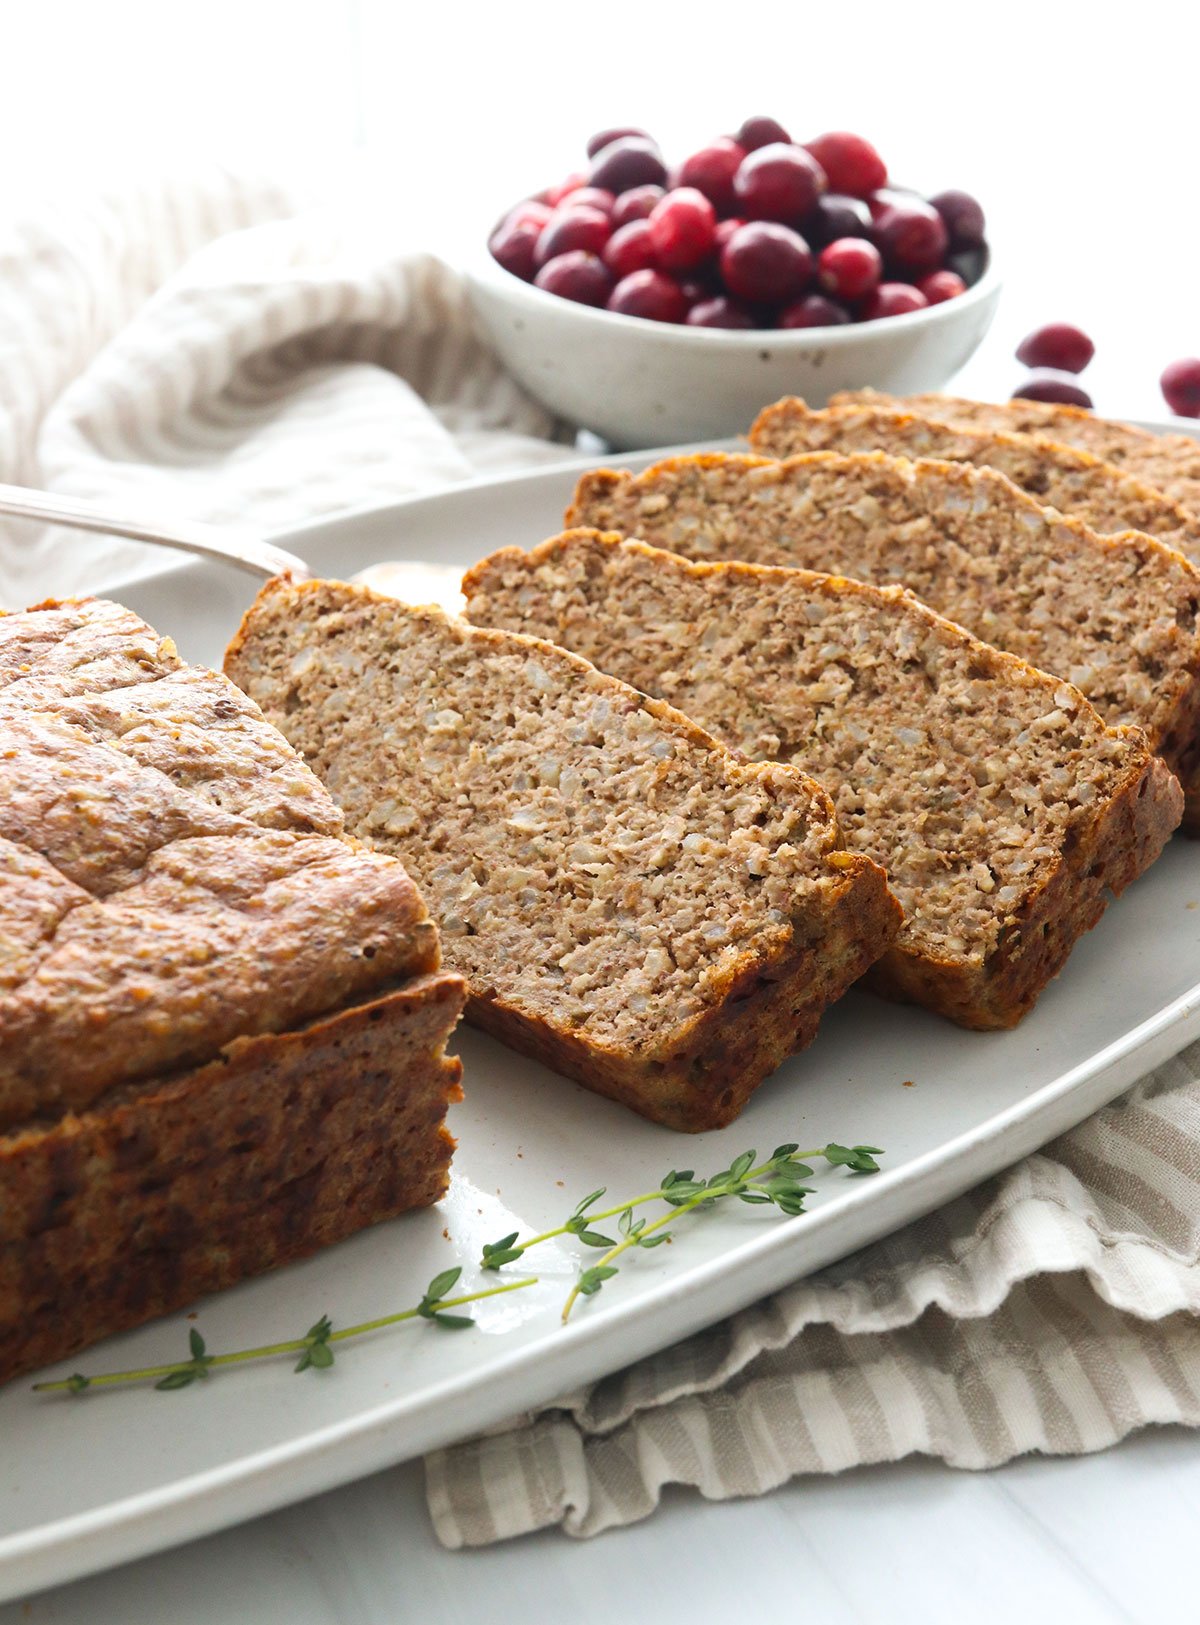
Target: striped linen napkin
[{"x": 204, "y": 349}]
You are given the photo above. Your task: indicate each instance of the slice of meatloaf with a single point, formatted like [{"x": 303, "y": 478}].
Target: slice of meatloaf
[
  {"x": 1001, "y": 806},
  {"x": 1117, "y": 616},
  {"x": 1072, "y": 481},
  {"x": 627, "y": 901},
  {"x": 1169, "y": 462},
  {"x": 222, "y": 1024}
]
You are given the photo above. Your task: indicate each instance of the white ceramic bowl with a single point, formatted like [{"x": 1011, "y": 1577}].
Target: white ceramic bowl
[{"x": 640, "y": 383}]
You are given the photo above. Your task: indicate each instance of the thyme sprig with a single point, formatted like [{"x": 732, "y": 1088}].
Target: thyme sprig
[
  {"x": 315, "y": 1348},
  {"x": 776, "y": 1181}
]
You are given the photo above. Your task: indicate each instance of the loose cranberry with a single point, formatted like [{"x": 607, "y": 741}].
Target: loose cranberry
[
  {"x": 970, "y": 264},
  {"x": 1058, "y": 345},
  {"x": 605, "y": 138},
  {"x": 1048, "y": 385},
  {"x": 651, "y": 295},
  {"x": 1180, "y": 384},
  {"x": 725, "y": 230},
  {"x": 636, "y": 204},
  {"x": 836, "y": 215},
  {"x": 815, "y": 311},
  {"x": 683, "y": 229},
  {"x": 938, "y": 286},
  {"x": 766, "y": 263},
  {"x": 778, "y": 182},
  {"x": 892, "y": 299},
  {"x": 711, "y": 171},
  {"x": 632, "y": 161},
  {"x": 573, "y": 228},
  {"x": 963, "y": 217},
  {"x": 912, "y": 235},
  {"x": 578, "y": 276},
  {"x": 850, "y": 268},
  {"x": 514, "y": 246},
  {"x": 699, "y": 287},
  {"x": 761, "y": 132},
  {"x": 851, "y": 164},
  {"x": 588, "y": 197},
  {"x": 630, "y": 249},
  {"x": 719, "y": 312},
  {"x": 555, "y": 194}
]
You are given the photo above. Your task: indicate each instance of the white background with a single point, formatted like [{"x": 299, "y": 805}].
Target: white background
[{"x": 1076, "y": 124}]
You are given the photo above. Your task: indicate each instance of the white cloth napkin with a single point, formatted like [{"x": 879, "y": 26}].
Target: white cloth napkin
[{"x": 202, "y": 348}]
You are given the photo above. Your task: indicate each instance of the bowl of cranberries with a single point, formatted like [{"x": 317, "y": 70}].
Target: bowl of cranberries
[{"x": 656, "y": 304}]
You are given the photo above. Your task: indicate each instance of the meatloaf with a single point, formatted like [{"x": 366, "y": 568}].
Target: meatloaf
[
  {"x": 1169, "y": 462},
  {"x": 1001, "y": 806},
  {"x": 1117, "y": 616},
  {"x": 1072, "y": 481},
  {"x": 222, "y": 1024},
  {"x": 628, "y": 902}
]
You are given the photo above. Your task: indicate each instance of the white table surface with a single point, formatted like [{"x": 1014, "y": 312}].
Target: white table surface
[{"x": 1092, "y": 1540}]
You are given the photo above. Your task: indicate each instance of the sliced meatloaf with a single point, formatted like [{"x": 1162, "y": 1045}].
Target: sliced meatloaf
[
  {"x": 222, "y": 1024},
  {"x": 1072, "y": 481},
  {"x": 627, "y": 901},
  {"x": 1169, "y": 462},
  {"x": 1118, "y": 616},
  {"x": 1001, "y": 806}
]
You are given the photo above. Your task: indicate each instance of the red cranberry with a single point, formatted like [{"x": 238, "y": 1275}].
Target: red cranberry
[
  {"x": 851, "y": 164},
  {"x": 888, "y": 197},
  {"x": 631, "y": 161},
  {"x": 815, "y": 311},
  {"x": 530, "y": 211},
  {"x": 761, "y": 132},
  {"x": 963, "y": 217},
  {"x": 1180, "y": 384},
  {"x": 970, "y": 263},
  {"x": 514, "y": 245},
  {"x": 573, "y": 228},
  {"x": 605, "y": 138},
  {"x": 719, "y": 312},
  {"x": 683, "y": 229},
  {"x": 850, "y": 268},
  {"x": 630, "y": 249},
  {"x": 588, "y": 197},
  {"x": 725, "y": 230},
  {"x": 698, "y": 287},
  {"x": 636, "y": 204},
  {"x": 578, "y": 276},
  {"x": 938, "y": 286},
  {"x": 1057, "y": 387},
  {"x": 778, "y": 183},
  {"x": 651, "y": 295},
  {"x": 766, "y": 263},
  {"x": 711, "y": 171},
  {"x": 892, "y": 299},
  {"x": 912, "y": 235},
  {"x": 836, "y": 215},
  {"x": 554, "y": 195},
  {"x": 1059, "y": 346}
]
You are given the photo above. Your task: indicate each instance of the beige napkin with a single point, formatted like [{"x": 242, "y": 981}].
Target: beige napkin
[{"x": 203, "y": 348}]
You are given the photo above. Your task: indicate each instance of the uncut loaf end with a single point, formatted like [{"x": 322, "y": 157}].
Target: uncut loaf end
[
  {"x": 1001, "y": 806},
  {"x": 222, "y": 1025},
  {"x": 628, "y": 902}
]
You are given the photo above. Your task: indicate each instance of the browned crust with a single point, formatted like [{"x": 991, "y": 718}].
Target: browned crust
[
  {"x": 1107, "y": 856},
  {"x": 770, "y": 1007},
  {"x": 183, "y": 1186}
]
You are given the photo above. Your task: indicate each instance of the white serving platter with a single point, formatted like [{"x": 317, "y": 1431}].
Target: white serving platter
[{"x": 90, "y": 1482}]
